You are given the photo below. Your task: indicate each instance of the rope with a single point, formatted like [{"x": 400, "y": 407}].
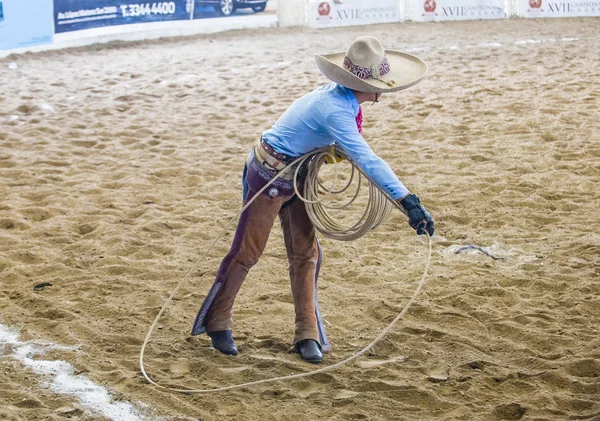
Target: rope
[
  {"x": 481, "y": 249},
  {"x": 378, "y": 208}
]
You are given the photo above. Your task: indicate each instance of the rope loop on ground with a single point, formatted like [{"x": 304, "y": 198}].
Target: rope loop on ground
[{"x": 378, "y": 208}]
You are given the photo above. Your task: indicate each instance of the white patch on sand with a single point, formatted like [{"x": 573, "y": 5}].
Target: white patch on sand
[
  {"x": 47, "y": 108},
  {"x": 62, "y": 378},
  {"x": 495, "y": 44},
  {"x": 529, "y": 41},
  {"x": 490, "y": 44}
]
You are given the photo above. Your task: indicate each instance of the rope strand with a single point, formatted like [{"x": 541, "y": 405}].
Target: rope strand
[{"x": 378, "y": 208}]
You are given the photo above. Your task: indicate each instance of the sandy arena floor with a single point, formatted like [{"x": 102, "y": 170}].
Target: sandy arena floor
[{"x": 119, "y": 164}]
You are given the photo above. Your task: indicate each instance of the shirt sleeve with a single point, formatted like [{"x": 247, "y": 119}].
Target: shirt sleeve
[{"x": 341, "y": 125}]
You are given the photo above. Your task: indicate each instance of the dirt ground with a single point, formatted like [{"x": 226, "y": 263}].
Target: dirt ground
[{"x": 119, "y": 164}]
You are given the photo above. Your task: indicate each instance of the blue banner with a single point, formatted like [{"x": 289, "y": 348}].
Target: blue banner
[
  {"x": 74, "y": 15},
  {"x": 25, "y": 23}
]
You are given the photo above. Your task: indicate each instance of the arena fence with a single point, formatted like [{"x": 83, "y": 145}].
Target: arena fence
[{"x": 36, "y": 25}]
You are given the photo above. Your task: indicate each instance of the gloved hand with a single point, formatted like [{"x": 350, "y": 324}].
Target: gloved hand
[{"x": 418, "y": 218}]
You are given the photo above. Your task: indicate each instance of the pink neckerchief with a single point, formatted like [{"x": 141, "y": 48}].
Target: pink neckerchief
[{"x": 359, "y": 119}]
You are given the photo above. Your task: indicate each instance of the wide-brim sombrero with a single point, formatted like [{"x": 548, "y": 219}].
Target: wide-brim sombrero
[{"x": 405, "y": 70}]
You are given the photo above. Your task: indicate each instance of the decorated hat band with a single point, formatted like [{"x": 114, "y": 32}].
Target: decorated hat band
[{"x": 374, "y": 71}]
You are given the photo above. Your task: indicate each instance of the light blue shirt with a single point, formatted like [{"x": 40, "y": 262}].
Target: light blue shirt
[{"x": 325, "y": 116}]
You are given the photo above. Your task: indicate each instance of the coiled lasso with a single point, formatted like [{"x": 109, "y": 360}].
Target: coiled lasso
[{"x": 378, "y": 208}]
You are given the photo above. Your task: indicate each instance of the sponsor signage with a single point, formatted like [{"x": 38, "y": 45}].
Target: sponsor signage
[
  {"x": 333, "y": 13},
  {"x": 558, "y": 9},
  {"x": 25, "y": 23},
  {"x": 74, "y": 15},
  {"x": 439, "y": 10}
]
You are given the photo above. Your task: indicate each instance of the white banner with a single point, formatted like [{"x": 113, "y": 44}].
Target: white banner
[
  {"x": 332, "y": 13},
  {"x": 558, "y": 8},
  {"x": 439, "y": 10}
]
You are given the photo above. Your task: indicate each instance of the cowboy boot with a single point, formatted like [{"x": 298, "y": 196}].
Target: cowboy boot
[
  {"x": 223, "y": 341},
  {"x": 309, "y": 350}
]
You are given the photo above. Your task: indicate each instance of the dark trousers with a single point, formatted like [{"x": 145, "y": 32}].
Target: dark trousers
[{"x": 250, "y": 238}]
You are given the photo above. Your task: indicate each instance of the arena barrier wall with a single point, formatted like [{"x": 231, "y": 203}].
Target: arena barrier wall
[
  {"x": 39, "y": 25},
  {"x": 22, "y": 29},
  {"x": 329, "y": 14},
  {"x": 556, "y": 8},
  {"x": 36, "y": 25},
  {"x": 446, "y": 10},
  {"x": 76, "y": 15}
]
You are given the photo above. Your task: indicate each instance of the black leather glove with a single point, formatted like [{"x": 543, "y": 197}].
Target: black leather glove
[{"x": 418, "y": 218}]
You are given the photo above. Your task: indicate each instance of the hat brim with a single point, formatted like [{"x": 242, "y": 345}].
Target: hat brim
[{"x": 406, "y": 70}]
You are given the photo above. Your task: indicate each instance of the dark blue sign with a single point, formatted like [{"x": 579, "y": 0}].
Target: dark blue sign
[{"x": 73, "y": 15}]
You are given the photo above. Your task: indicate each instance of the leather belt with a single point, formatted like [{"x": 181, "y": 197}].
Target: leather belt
[{"x": 267, "y": 156}]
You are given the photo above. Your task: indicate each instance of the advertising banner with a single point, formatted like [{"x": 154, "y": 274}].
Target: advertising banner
[
  {"x": 440, "y": 10},
  {"x": 235, "y": 8},
  {"x": 558, "y": 8},
  {"x": 333, "y": 13},
  {"x": 25, "y": 23},
  {"x": 74, "y": 15}
]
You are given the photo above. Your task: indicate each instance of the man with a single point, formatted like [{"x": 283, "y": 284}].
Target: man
[{"x": 329, "y": 114}]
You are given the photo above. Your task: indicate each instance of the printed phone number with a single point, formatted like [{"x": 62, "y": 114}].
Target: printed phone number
[{"x": 143, "y": 9}]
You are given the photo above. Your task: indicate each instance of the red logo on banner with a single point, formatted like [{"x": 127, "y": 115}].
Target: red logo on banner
[
  {"x": 429, "y": 5},
  {"x": 535, "y": 4},
  {"x": 325, "y": 8}
]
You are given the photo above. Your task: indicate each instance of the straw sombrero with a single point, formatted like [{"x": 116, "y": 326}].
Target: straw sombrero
[{"x": 367, "y": 67}]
